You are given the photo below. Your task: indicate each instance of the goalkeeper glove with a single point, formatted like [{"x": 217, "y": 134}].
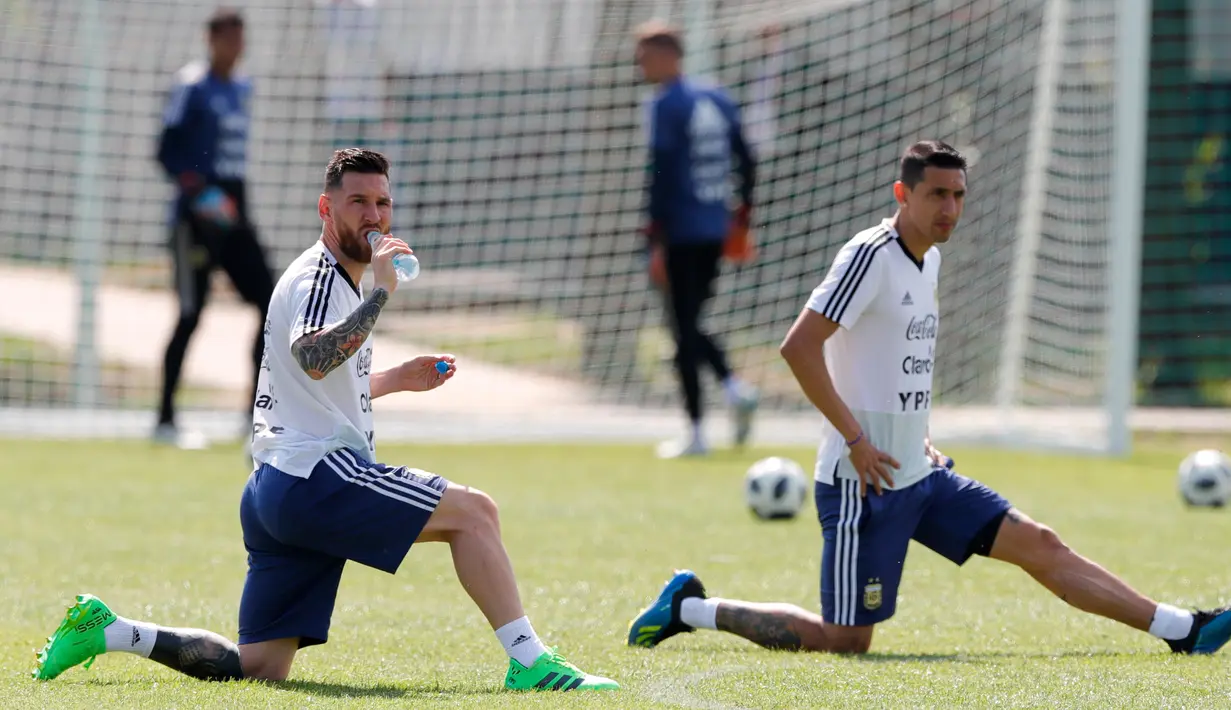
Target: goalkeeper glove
[
  {"x": 656, "y": 254},
  {"x": 216, "y": 206},
  {"x": 738, "y": 246}
]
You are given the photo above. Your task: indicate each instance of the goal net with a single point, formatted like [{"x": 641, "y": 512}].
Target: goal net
[{"x": 517, "y": 139}]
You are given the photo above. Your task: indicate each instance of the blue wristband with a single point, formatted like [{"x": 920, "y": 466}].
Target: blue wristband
[{"x": 856, "y": 440}]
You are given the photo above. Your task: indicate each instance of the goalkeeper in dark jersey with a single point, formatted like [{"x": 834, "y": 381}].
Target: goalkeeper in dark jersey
[
  {"x": 203, "y": 149},
  {"x": 694, "y": 135}
]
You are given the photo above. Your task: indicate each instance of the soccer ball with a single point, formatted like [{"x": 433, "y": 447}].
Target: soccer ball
[
  {"x": 775, "y": 488},
  {"x": 1205, "y": 478}
]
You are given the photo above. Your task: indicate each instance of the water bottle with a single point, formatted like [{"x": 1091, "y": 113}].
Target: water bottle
[{"x": 405, "y": 265}]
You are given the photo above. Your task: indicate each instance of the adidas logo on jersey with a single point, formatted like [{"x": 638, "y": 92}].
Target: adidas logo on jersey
[{"x": 907, "y": 300}]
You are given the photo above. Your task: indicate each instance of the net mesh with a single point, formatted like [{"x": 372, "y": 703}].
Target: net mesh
[
  {"x": 1186, "y": 289},
  {"x": 517, "y": 138}
]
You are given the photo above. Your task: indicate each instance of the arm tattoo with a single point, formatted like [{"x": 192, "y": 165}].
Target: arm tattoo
[
  {"x": 321, "y": 352},
  {"x": 764, "y": 627}
]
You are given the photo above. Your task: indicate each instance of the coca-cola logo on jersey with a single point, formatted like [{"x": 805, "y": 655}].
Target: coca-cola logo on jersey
[
  {"x": 363, "y": 363},
  {"x": 921, "y": 329}
]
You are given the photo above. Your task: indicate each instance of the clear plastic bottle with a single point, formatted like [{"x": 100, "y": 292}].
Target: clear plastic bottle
[{"x": 405, "y": 265}]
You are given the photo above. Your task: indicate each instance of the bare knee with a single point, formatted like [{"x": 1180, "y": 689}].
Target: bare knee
[
  {"x": 270, "y": 674},
  {"x": 481, "y": 512},
  {"x": 1029, "y": 544},
  {"x": 847, "y": 639},
  {"x": 1048, "y": 550},
  {"x": 1050, "y": 543},
  {"x": 462, "y": 510},
  {"x": 268, "y": 660}
]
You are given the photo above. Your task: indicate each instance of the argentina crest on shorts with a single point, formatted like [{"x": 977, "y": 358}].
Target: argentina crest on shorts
[{"x": 872, "y": 594}]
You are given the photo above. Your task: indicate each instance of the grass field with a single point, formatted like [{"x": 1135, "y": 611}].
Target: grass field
[{"x": 593, "y": 532}]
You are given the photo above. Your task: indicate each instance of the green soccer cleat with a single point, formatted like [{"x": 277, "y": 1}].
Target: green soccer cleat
[
  {"x": 79, "y": 638},
  {"x": 551, "y": 671}
]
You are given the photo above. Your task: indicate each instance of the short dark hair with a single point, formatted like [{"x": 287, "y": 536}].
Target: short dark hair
[
  {"x": 224, "y": 18},
  {"x": 660, "y": 35},
  {"x": 928, "y": 154},
  {"x": 354, "y": 160}
]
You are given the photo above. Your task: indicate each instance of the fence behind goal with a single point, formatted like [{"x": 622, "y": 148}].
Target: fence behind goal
[{"x": 517, "y": 138}]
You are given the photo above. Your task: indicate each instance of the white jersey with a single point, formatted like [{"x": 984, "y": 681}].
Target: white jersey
[
  {"x": 298, "y": 420},
  {"x": 881, "y": 358}
]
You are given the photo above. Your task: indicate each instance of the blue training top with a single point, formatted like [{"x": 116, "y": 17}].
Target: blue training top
[
  {"x": 205, "y": 125},
  {"x": 694, "y": 132}
]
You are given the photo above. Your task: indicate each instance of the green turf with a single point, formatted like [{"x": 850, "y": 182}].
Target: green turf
[{"x": 593, "y": 532}]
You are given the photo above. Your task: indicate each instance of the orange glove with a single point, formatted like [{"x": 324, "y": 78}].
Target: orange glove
[
  {"x": 656, "y": 254},
  {"x": 739, "y": 246},
  {"x": 658, "y": 266}
]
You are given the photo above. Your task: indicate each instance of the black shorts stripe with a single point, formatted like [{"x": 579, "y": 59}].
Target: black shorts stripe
[
  {"x": 322, "y": 304},
  {"x": 835, "y": 308},
  {"x": 314, "y": 295}
]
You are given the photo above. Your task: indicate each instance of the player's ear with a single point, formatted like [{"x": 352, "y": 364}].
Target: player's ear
[
  {"x": 322, "y": 206},
  {"x": 900, "y": 191}
]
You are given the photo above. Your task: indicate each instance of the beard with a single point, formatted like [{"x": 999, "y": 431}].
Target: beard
[{"x": 353, "y": 245}]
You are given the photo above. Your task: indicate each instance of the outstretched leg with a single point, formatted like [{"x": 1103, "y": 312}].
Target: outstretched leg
[
  {"x": 90, "y": 629},
  {"x": 1084, "y": 584},
  {"x": 683, "y": 607}
]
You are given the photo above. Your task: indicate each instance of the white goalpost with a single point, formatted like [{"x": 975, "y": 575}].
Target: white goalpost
[
  {"x": 1103, "y": 425},
  {"x": 1127, "y": 197}
]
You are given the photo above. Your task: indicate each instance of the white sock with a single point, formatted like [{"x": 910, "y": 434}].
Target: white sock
[
  {"x": 697, "y": 435},
  {"x": 1171, "y": 623},
  {"x": 520, "y": 641},
  {"x": 130, "y": 636},
  {"x": 700, "y": 613}
]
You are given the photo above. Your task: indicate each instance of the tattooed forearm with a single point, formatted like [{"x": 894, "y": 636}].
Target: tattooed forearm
[
  {"x": 322, "y": 352},
  {"x": 771, "y": 628}
]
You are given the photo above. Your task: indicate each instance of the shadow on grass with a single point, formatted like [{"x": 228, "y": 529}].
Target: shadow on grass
[
  {"x": 342, "y": 690},
  {"x": 955, "y": 657},
  {"x": 380, "y": 690},
  {"x": 988, "y": 656}
]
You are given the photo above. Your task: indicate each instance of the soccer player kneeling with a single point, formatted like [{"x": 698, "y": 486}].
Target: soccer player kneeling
[
  {"x": 863, "y": 351},
  {"x": 318, "y": 497}
]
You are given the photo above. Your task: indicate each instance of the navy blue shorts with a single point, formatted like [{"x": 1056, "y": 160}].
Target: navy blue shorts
[
  {"x": 299, "y": 533},
  {"x": 866, "y": 538}
]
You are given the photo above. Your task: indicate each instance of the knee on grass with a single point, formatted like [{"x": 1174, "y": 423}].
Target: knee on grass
[
  {"x": 853, "y": 640},
  {"x": 267, "y": 670},
  {"x": 269, "y": 660}
]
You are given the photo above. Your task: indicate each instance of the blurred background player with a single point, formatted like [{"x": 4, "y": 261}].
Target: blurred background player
[
  {"x": 694, "y": 131},
  {"x": 203, "y": 149},
  {"x": 863, "y": 351}
]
